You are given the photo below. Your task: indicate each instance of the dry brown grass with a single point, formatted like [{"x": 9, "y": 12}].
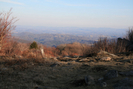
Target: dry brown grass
[
  {"x": 61, "y": 76},
  {"x": 73, "y": 49},
  {"x": 105, "y": 44},
  {"x": 22, "y": 64}
]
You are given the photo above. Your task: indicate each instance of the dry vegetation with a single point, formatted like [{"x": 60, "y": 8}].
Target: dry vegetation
[{"x": 24, "y": 68}]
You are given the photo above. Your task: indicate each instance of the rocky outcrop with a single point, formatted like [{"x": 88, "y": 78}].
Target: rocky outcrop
[
  {"x": 111, "y": 74},
  {"x": 126, "y": 73},
  {"x": 106, "y": 53},
  {"x": 89, "y": 80},
  {"x": 105, "y": 59}
]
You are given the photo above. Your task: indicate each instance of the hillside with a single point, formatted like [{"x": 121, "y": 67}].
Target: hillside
[
  {"x": 52, "y": 39},
  {"x": 91, "y": 33},
  {"x": 53, "y": 36}
]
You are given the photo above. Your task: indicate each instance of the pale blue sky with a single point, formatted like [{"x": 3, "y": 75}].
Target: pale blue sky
[{"x": 71, "y": 13}]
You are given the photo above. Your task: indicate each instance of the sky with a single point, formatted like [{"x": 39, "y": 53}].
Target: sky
[{"x": 71, "y": 13}]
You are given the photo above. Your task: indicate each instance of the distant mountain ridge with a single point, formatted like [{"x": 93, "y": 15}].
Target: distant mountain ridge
[
  {"x": 92, "y": 33},
  {"x": 53, "y": 36},
  {"x": 52, "y": 39}
]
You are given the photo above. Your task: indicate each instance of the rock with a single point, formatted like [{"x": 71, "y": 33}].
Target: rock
[
  {"x": 111, "y": 74},
  {"x": 17, "y": 56},
  {"x": 84, "y": 60},
  {"x": 125, "y": 83},
  {"x": 127, "y": 73},
  {"x": 75, "y": 56},
  {"x": 106, "y": 53},
  {"x": 105, "y": 59},
  {"x": 101, "y": 79},
  {"x": 89, "y": 80},
  {"x": 101, "y": 83},
  {"x": 54, "y": 58},
  {"x": 66, "y": 57}
]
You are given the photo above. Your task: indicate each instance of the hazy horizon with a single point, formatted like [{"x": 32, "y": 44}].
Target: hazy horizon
[{"x": 71, "y": 13}]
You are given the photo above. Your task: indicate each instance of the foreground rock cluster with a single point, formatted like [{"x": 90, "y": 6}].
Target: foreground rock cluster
[
  {"x": 102, "y": 71},
  {"x": 124, "y": 83}
]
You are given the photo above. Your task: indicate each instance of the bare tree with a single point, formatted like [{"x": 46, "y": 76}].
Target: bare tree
[{"x": 6, "y": 26}]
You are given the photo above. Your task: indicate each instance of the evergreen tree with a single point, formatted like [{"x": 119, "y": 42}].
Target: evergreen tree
[{"x": 33, "y": 45}]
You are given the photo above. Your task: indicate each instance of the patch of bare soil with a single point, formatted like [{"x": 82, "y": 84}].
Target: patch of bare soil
[{"x": 67, "y": 73}]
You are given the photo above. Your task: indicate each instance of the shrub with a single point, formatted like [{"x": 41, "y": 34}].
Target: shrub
[
  {"x": 6, "y": 26},
  {"x": 130, "y": 34},
  {"x": 33, "y": 45}
]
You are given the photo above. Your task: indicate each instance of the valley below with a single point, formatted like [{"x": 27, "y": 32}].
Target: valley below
[{"x": 54, "y": 36}]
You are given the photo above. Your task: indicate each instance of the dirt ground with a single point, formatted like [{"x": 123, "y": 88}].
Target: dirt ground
[{"x": 61, "y": 74}]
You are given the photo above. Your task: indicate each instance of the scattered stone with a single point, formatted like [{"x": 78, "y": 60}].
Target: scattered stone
[
  {"x": 75, "y": 56},
  {"x": 89, "y": 80},
  {"x": 125, "y": 83},
  {"x": 103, "y": 84},
  {"x": 111, "y": 74},
  {"x": 106, "y": 53},
  {"x": 17, "y": 56},
  {"x": 127, "y": 73},
  {"x": 54, "y": 58},
  {"x": 105, "y": 59},
  {"x": 101, "y": 79},
  {"x": 84, "y": 60},
  {"x": 66, "y": 57}
]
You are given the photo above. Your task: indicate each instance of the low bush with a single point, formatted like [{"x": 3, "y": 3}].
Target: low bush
[{"x": 33, "y": 45}]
